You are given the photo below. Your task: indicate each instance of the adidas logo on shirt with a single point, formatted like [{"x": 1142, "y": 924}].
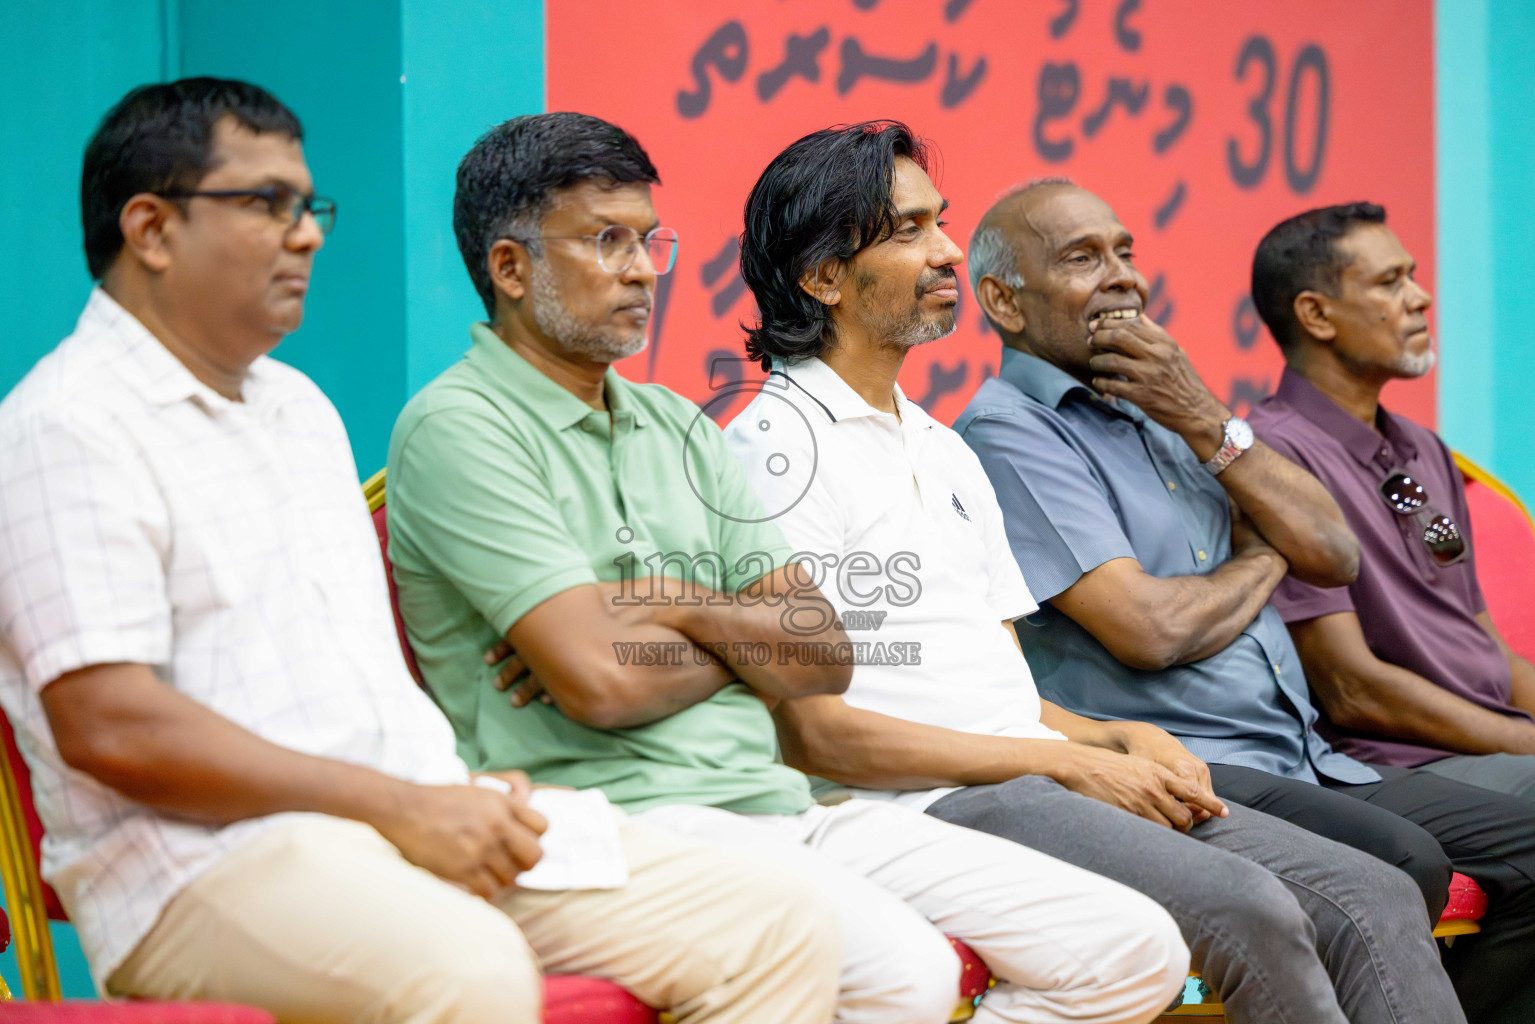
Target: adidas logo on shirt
[{"x": 958, "y": 507}]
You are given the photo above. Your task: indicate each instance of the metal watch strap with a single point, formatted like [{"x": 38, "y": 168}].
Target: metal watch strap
[{"x": 1236, "y": 438}]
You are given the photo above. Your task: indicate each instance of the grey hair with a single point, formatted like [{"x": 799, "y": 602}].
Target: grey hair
[
  {"x": 526, "y": 226},
  {"x": 991, "y": 253}
]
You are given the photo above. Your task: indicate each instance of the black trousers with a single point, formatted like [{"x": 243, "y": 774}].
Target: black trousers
[{"x": 1428, "y": 826}]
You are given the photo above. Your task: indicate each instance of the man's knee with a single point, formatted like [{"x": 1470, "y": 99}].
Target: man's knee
[
  {"x": 1248, "y": 903},
  {"x": 1152, "y": 960},
  {"x": 1419, "y": 854},
  {"x": 786, "y": 932},
  {"x": 470, "y": 986},
  {"x": 917, "y": 981},
  {"x": 808, "y": 934}
]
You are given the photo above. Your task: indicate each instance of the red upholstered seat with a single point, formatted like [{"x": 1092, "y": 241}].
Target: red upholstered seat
[
  {"x": 1467, "y": 900},
  {"x": 974, "y": 975},
  {"x": 131, "y": 1013},
  {"x": 570, "y": 999}
]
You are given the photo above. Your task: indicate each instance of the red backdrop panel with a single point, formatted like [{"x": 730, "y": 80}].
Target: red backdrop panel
[{"x": 1202, "y": 122}]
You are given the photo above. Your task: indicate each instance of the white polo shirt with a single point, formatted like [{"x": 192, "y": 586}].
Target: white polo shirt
[
  {"x": 145, "y": 518},
  {"x": 896, "y": 519}
]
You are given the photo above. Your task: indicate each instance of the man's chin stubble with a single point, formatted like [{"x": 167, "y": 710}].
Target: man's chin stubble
[
  {"x": 601, "y": 349},
  {"x": 575, "y": 337},
  {"x": 920, "y": 331}
]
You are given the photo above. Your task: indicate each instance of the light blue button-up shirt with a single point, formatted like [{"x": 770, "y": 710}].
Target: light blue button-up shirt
[{"x": 1082, "y": 480}]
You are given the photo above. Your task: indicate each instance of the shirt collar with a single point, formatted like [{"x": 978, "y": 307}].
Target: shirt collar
[
  {"x": 152, "y": 372},
  {"x": 518, "y": 380},
  {"x": 834, "y": 395},
  {"x": 1050, "y": 385},
  {"x": 1361, "y": 442}
]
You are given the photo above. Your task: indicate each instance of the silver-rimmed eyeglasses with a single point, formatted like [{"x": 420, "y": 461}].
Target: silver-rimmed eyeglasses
[{"x": 618, "y": 245}]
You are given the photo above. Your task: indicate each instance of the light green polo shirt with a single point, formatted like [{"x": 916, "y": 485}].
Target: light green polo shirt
[{"x": 504, "y": 490}]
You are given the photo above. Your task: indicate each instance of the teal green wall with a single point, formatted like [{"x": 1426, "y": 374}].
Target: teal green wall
[
  {"x": 1486, "y": 234},
  {"x": 448, "y": 103},
  {"x": 1512, "y": 253},
  {"x": 72, "y": 62}
]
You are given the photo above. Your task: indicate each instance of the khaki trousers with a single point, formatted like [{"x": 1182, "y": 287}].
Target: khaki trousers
[{"x": 322, "y": 920}]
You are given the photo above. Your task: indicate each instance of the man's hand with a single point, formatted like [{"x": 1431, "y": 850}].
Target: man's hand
[
  {"x": 1136, "y": 784},
  {"x": 476, "y": 837},
  {"x": 1159, "y": 379},
  {"x": 1142, "y": 739},
  {"x": 512, "y": 670}
]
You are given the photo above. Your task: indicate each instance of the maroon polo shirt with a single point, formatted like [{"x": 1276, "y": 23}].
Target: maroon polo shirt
[{"x": 1414, "y": 612}]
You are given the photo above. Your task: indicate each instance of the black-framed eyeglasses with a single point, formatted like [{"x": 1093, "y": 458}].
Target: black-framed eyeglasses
[
  {"x": 285, "y": 205},
  {"x": 618, "y": 245},
  {"x": 1406, "y": 496}
]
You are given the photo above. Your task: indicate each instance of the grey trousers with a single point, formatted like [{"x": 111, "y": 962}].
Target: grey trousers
[
  {"x": 1286, "y": 926},
  {"x": 1512, "y": 774}
]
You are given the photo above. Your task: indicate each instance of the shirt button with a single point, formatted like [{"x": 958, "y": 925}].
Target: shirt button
[
  {"x": 1201, "y": 556},
  {"x": 1275, "y": 667},
  {"x": 1171, "y": 486}
]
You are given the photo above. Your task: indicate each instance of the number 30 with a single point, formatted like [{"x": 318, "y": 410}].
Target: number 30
[{"x": 1249, "y": 173}]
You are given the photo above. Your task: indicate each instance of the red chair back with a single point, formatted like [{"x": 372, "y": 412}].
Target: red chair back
[
  {"x": 381, "y": 527},
  {"x": 1505, "y": 563}
]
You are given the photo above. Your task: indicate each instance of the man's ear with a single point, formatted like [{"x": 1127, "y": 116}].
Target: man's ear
[
  {"x": 823, "y": 282},
  {"x": 143, "y": 223},
  {"x": 1000, "y": 304},
  {"x": 1313, "y": 312},
  {"x": 511, "y": 268}
]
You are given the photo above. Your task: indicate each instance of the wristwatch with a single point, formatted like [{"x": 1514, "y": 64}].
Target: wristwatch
[{"x": 1238, "y": 438}]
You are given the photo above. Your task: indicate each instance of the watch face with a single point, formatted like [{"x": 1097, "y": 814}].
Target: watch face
[{"x": 1239, "y": 432}]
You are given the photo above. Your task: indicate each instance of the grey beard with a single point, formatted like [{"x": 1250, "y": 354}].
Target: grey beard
[
  {"x": 1415, "y": 366},
  {"x": 574, "y": 336},
  {"x": 915, "y": 330}
]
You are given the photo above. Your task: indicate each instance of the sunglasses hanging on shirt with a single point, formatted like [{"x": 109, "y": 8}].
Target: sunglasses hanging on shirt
[{"x": 1405, "y": 496}]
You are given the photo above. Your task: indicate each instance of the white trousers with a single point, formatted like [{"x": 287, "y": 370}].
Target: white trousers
[{"x": 1065, "y": 945}]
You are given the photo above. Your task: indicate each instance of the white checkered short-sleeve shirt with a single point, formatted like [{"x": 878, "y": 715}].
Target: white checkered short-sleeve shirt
[{"x": 145, "y": 518}]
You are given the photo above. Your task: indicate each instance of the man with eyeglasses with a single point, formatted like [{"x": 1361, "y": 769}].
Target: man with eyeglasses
[
  {"x": 1153, "y": 528},
  {"x": 1406, "y": 662},
  {"x": 246, "y": 796},
  {"x": 604, "y": 531}
]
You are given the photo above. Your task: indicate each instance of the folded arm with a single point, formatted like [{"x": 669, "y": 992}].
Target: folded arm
[
  {"x": 1151, "y": 622},
  {"x": 1295, "y": 514},
  {"x": 1361, "y": 692},
  {"x": 572, "y": 642}
]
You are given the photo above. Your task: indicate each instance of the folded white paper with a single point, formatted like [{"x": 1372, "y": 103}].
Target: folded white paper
[{"x": 582, "y": 848}]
